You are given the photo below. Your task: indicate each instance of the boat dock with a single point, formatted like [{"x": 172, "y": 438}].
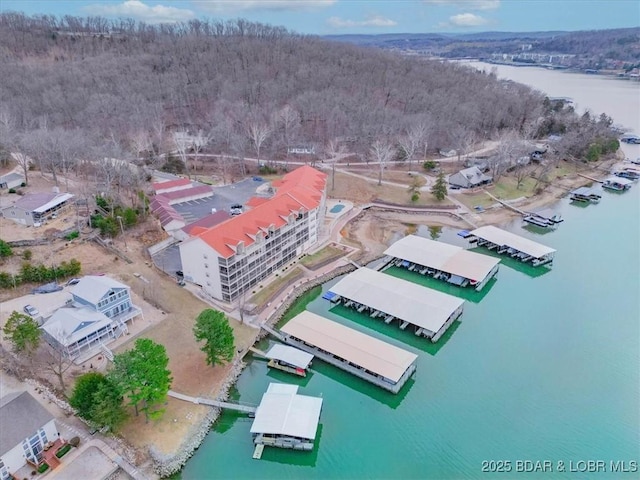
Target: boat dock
[
  {"x": 585, "y": 194},
  {"x": 389, "y": 298},
  {"x": 366, "y": 357},
  {"x": 617, "y": 183},
  {"x": 446, "y": 262},
  {"x": 515, "y": 246},
  {"x": 286, "y": 358},
  {"x": 285, "y": 419},
  {"x": 546, "y": 218}
]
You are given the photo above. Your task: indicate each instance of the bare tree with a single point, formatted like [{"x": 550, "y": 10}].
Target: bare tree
[
  {"x": 381, "y": 152},
  {"x": 332, "y": 151},
  {"x": 54, "y": 361},
  {"x": 258, "y": 132},
  {"x": 182, "y": 145},
  {"x": 288, "y": 120}
]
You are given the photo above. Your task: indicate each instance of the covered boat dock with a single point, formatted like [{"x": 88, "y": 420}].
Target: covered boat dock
[
  {"x": 443, "y": 261},
  {"x": 617, "y": 183},
  {"x": 585, "y": 194},
  {"x": 389, "y": 298},
  {"x": 286, "y": 419},
  {"x": 289, "y": 359},
  {"x": 373, "y": 360},
  {"x": 515, "y": 246}
]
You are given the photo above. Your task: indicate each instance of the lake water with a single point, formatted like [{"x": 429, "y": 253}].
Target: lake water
[{"x": 544, "y": 366}]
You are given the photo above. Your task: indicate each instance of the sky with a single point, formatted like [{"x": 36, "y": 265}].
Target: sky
[{"x": 326, "y": 17}]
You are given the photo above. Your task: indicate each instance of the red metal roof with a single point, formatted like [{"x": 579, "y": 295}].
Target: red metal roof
[
  {"x": 206, "y": 222},
  {"x": 187, "y": 192},
  {"x": 171, "y": 183},
  {"x": 298, "y": 191}
]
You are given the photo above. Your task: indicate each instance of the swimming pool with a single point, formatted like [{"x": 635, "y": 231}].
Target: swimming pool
[{"x": 336, "y": 208}]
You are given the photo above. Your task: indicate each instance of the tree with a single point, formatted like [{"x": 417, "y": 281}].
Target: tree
[
  {"x": 213, "y": 327},
  {"x": 142, "y": 375},
  {"x": 258, "y": 132},
  {"x": 97, "y": 400},
  {"x": 381, "y": 153},
  {"x": 5, "y": 249},
  {"x": 57, "y": 362},
  {"x": 23, "y": 332},
  {"x": 439, "y": 188}
]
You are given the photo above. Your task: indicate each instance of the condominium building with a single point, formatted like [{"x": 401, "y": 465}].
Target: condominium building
[{"x": 228, "y": 259}]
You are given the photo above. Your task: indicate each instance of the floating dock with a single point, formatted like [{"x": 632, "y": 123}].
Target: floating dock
[
  {"x": 459, "y": 266},
  {"x": 285, "y": 419},
  {"x": 430, "y": 312},
  {"x": 617, "y": 183},
  {"x": 585, "y": 194},
  {"x": 289, "y": 359},
  {"x": 515, "y": 246},
  {"x": 543, "y": 218},
  {"x": 373, "y": 360}
]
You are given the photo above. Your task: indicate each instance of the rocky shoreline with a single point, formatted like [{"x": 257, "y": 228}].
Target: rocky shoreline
[{"x": 166, "y": 465}]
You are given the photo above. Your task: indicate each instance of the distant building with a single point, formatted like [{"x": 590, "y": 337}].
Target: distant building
[
  {"x": 229, "y": 258},
  {"x": 35, "y": 208},
  {"x": 97, "y": 314},
  {"x": 26, "y": 429},
  {"x": 302, "y": 150},
  {"x": 11, "y": 180},
  {"x": 469, "y": 178}
]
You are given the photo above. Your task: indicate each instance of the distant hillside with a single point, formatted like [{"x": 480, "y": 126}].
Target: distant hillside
[{"x": 616, "y": 49}]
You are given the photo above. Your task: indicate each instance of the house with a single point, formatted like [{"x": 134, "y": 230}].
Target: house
[
  {"x": 34, "y": 208},
  {"x": 469, "y": 178},
  {"x": 97, "y": 314},
  {"x": 27, "y": 430},
  {"x": 302, "y": 150},
  {"x": 11, "y": 180},
  {"x": 229, "y": 258},
  {"x": 171, "y": 185}
]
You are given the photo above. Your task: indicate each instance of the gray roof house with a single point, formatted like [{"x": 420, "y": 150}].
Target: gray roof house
[
  {"x": 26, "y": 428},
  {"x": 97, "y": 314},
  {"x": 469, "y": 178},
  {"x": 34, "y": 208},
  {"x": 11, "y": 180}
]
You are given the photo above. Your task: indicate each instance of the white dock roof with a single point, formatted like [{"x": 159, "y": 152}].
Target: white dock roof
[
  {"x": 502, "y": 237},
  {"x": 443, "y": 257},
  {"x": 290, "y": 355},
  {"x": 283, "y": 412},
  {"x": 360, "y": 349},
  {"x": 405, "y": 300}
]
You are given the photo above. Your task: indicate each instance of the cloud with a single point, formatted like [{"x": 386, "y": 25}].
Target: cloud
[
  {"x": 467, "y": 20},
  {"x": 219, "y": 6},
  {"x": 141, "y": 11},
  {"x": 370, "y": 21},
  {"x": 467, "y": 4}
]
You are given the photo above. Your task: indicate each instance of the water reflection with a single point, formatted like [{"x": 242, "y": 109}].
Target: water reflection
[{"x": 294, "y": 457}]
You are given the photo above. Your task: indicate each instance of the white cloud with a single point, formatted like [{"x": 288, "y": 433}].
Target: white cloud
[
  {"x": 219, "y": 6},
  {"x": 467, "y": 4},
  {"x": 370, "y": 21},
  {"x": 467, "y": 20},
  {"x": 141, "y": 11}
]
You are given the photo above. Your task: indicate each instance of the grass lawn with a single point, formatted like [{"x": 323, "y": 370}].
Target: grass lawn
[
  {"x": 505, "y": 189},
  {"x": 316, "y": 259},
  {"x": 264, "y": 294},
  {"x": 359, "y": 190}
]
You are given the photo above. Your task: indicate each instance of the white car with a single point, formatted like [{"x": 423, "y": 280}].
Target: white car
[{"x": 31, "y": 311}]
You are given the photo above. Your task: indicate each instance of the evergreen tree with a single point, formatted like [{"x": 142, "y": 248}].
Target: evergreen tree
[
  {"x": 213, "y": 327},
  {"x": 439, "y": 188},
  {"x": 23, "y": 332}
]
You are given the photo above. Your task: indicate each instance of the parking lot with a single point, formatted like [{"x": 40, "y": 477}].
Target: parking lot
[
  {"x": 222, "y": 199},
  {"x": 46, "y": 303},
  {"x": 168, "y": 260}
]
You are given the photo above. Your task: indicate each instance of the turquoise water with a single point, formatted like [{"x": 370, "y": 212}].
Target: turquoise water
[
  {"x": 541, "y": 367},
  {"x": 336, "y": 208}
]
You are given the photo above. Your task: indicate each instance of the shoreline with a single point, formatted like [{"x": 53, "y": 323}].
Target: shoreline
[{"x": 169, "y": 464}]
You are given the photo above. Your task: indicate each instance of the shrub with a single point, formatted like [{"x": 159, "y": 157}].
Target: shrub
[
  {"x": 43, "y": 467},
  {"x": 72, "y": 235},
  {"x": 5, "y": 249},
  {"x": 429, "y": 165},
  {"x": 27, "y": 254},
  {"x": 74, "y": 442},
  {"x": 12, "y": 190},
  {"x": 62, "y": 451},
  {"x": 267, "y": 170},
  {"x": 23, "y": 184}
]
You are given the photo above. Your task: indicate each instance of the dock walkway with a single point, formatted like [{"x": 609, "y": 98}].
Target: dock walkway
[{"x": 213, "y": 403}]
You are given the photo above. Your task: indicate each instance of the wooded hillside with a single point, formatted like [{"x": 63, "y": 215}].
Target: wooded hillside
[{"x": 244, "y": 85}]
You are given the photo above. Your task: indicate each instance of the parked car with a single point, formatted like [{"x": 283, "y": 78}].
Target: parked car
[
  {"x": 257, "y": 179},
  {"x": 31, "y": 311},
  {"x": 73, "y": 281}
]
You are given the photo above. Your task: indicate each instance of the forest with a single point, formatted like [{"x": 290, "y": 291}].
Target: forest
[{"x": 84, "y": 89}]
